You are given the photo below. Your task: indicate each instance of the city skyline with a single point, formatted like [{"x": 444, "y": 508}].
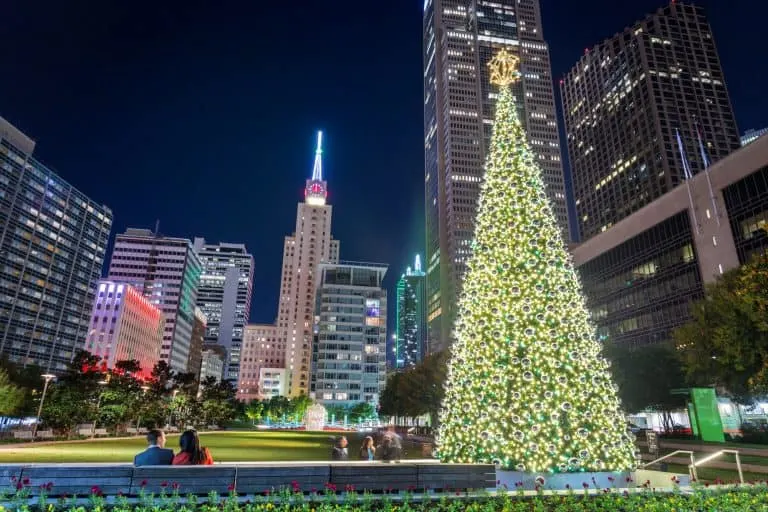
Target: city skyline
[{"x": 155, "y": 151}]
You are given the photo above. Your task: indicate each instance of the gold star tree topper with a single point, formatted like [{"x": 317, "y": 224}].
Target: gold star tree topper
[{"x": 504, "y": 68}]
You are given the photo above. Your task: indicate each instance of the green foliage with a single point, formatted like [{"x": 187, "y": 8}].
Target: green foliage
[
  {"x": 725, "y": 344},
  {"x": 293, "y": 499},
  {"x": 417, "y": 390},
  {"x": 646, "y": 376},
  {"x": 526, "y": 386},
  {"x": 11, "y": 396}
]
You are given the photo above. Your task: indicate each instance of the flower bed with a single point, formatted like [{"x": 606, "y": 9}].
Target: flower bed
[{"x": 730, "y": 498}]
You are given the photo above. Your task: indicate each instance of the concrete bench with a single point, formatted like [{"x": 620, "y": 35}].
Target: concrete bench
[
  {"x": 132, "y": 431},
  {"x": 257, "y": 478},
  {"x": 85, "y": 432},
  {"x": 101, "y": 432},
  {"x": 44, "y": 434},
  {"x": 22, "y": 434}
]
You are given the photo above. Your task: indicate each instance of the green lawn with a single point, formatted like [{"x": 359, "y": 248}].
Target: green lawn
[{"x": 224, "y": 446}]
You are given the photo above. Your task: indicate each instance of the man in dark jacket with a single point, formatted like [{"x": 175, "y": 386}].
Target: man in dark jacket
[
  {"x": 339, "y": 451},
  {"x": 156, "y": 454}
]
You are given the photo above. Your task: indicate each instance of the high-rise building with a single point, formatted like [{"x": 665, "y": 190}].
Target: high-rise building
[
  {"x": 752, "y": 135},
  {"x": 411, "y": 323},
  {"x": 625, "y": 102},
  {"x": 124, "y": 325},
  {"x": 460, "y": 39},
  {"x": 52, "y": 244},
  {"x": 167, "y": 271},
  {"x": 349, "y": 358},
  {"x": 224, "y": 296},
  {"x": 212, "y": 363},
  {"x": 642, "y": 274},
  {"x": 263, "y": 347},
  {"x": 310, "y": 244},
  {"x": 272, "y": 382},
  {"x": 195, "y": 358}
]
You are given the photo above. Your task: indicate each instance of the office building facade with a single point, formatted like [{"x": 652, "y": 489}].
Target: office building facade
[
  {"x": 195, "y": 358},
  {"x": 625, "y": 102},
  {"x": 411, "y": 323},
  {"x": 310, "y": 244},
  {"x": 642, "y": 274},
  {"x": 263, "y": 347},
  {"x": 349, "y": 357},
  {"x": 167, "y": 271},
  {"x": 212, "y": 362},
  {"x": 459, "y": 39},
  {"x": 125, "y": 326},
  {"x": 53, "y": 239},
  {"x": 272, "y": 382},
  {"x": 224, "y": 296}
]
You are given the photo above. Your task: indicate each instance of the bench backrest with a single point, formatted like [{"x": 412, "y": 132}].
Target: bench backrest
[{"x": 71, "y": 479}]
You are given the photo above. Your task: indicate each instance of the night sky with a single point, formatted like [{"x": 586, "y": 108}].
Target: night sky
[{"x": 203, "y": 114}]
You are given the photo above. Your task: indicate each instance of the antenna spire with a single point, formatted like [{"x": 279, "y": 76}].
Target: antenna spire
[
  {"x": 417, "y": 263},
  {"x": 317, "y": 170}
]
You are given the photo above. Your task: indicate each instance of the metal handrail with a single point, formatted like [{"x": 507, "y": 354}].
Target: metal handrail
[
  {"x": 717, "y": 454},
  {"x": 691, "y": 466}
]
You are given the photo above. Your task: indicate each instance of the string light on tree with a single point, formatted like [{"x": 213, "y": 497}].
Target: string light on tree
[{"x": 526, "y": 386}]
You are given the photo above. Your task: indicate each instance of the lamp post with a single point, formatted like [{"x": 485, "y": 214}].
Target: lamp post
[
  {"x": 48, "y": 378},
  {"x": 144, "y": 388},
  {"x": 98, "y": 408},
  {"x": 170, "y": 409}
]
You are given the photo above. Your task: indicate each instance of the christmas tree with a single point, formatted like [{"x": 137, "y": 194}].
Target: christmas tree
[{"x": 526, "y": 386}]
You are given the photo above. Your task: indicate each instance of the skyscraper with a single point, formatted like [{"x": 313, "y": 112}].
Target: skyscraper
[
  {"x": 411, "y": 323},
  {"x": 625, "y": 102},
  {"x": 196, "y": 342},
  {"x": 125, "y": 325},
  {"x": 310, "y": 244},
  {"x": 349, "y": 359},
  {"x": 167, "y": 271},
  {"x": 52, "y": 244},
  {"x": 459, "y": 40},
  {"x": 224, "y": 296},
  {"x": 263, "y": 347}
]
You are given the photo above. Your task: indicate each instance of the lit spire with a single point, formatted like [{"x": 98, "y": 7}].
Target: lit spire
[
  {"x": 316, "y": 192},
  {"x": 317, "y": 170},
  {"x": 417, "y": 263}
]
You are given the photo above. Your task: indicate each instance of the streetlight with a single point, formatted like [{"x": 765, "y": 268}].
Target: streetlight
[
  {"x": 170, "y": 408},
  {"x": 48, "y": 378},
  {"x": 144, "y": 388},
  {"x": 98, "y": 408}
]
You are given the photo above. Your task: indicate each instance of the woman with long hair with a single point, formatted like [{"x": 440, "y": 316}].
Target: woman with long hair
[
  {"x": 192, "y": 454},
  {"x": 367, "y": 449}
]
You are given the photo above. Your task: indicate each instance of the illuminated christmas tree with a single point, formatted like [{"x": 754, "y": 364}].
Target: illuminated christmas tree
[{"x": 526, "y": 385}]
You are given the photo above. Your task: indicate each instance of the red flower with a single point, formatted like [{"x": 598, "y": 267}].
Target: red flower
[
  {"x": 19, "y": 486},
  {"x": 96, "y": 491},
  {"x": 611, "y": 479},
  {"x": 458, "y": 493},
  {"x": 143, "y": 483},
  {"x": 25, "y": 481},
  {"x": 231, "y": 487},
  {"x": 163, "y": 484},
  {"x": 314, "y": 489},
  {"x": 349, "y": 488},
  {"x": 585, "y": 485},
  {"x": 175, "y": 486},
  {"x": 267, "y": 492},
  {"x": 14, "y": 479}
]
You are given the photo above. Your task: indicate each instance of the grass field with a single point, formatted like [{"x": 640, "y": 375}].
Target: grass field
[{"x": 224, "y": 446}]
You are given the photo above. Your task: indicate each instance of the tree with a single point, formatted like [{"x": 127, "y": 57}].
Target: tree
[
  {"x": 725, "y": 343},
  {"x": 362, "y": 411},
  {"x": 11, "y": 396},
  {"x": 526, "y": 386},
  {"x": 646, "y": 377},
  {"x": 299, "y": 406},
  {"x": 217, "y": 401},
  {"x": 28, "y": 379},
  {"x": 254, "y": 411}
]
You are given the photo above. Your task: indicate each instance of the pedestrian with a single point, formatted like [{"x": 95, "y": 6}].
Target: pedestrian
[
  {"x": 367, "y": 449},
  {"x": 339, "y": 451}
]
